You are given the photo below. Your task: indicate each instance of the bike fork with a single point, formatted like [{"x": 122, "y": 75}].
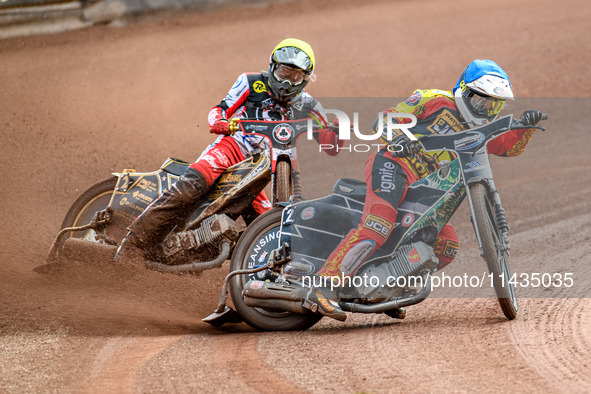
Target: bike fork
[{"x": 501, "y": 219}]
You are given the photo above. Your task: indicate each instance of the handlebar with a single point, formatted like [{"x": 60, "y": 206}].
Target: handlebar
[
  {"x": 466, "y": 141},
  {"x": 234, "y": 125},
  {"x": 518, "y": 125}
]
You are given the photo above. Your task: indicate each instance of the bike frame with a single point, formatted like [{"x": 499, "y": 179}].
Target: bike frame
[{"x": 447, "y": 188}]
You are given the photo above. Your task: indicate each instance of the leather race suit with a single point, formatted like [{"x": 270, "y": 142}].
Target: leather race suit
[
  {"x": 388, "y": 177},
  {"x": 249, "y": 98}
]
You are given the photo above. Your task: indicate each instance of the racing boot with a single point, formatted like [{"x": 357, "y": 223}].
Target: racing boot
[
  {"x": 324, "y": 301},
  {"x": 170, "y": 209}
]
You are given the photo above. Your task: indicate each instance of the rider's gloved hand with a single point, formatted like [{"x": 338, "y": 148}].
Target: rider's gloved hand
[
  {"x": 405, "y": 147},
  {"x": 221, "y": 126},
  {"x": 531, "y": 117}
]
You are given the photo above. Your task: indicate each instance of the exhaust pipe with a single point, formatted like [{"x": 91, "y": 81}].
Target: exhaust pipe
[
  {"x": 390, "y": 305},
  {"x": 290, "y": 298},
  {"x": 276, "y": 296},
  {"x": 276, "y": 304}
]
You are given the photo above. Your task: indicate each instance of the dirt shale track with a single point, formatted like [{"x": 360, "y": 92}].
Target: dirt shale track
[{"x": 75, "y": 107}]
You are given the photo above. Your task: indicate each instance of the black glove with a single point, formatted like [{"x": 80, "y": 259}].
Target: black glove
[
  {"x": 531, "y": 117},
  {"x": 405, "y": 147}
]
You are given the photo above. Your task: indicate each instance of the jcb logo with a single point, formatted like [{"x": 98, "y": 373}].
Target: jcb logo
[
  {"x": 451, "y": 249},
  {"x": 378, "y": 225}
]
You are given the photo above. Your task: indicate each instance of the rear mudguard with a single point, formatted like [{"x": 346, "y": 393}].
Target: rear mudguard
[
  {"x": 136, "y": 190},
  {"x": 231, "y": 194},
  {"x": 235, "y": 190}
]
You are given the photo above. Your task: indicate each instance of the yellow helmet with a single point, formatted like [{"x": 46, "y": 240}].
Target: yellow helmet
[{"x": 290, "y": 66}]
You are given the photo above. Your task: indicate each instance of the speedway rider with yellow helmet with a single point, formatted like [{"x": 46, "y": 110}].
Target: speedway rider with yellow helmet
[
  {"x": 274, "y": 95},
  {"x": 477, "y": 99}
]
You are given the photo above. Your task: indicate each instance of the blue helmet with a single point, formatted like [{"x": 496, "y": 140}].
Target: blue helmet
[{"x": 481, "y": 92}]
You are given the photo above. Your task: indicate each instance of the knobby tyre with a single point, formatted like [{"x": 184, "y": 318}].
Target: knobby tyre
[
  {"x": 282, "y": 181},
  {"x": 96, "y": 198},
  {"x": 495, "y": 257},
  {"x": 260, "y": 237}
]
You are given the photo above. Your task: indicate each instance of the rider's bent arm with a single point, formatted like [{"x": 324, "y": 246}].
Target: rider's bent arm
[
  {"x": 234, "y": 99},
  {"x": 510, "y": 144},
  {"x": 328, "y": 139}
]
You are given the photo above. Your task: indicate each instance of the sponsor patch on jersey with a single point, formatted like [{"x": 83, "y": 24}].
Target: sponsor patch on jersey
[
  {"x": 237, "y": 90},
  {"x": 414, "y": 99},
  {"x": 238, "y": 81},
  {"x": 259, "y": 87},
  {"x": 444, "y": 122},
  {"x": 378, "y": 225}
]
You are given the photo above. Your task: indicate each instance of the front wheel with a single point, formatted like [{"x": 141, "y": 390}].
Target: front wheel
[
  {"x": 282, "y": 181},
  {"x": 255, "y": 244},
  {"x": 494, "y": 254}
]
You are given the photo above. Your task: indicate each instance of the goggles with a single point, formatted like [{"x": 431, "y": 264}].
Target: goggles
[
  {"x": 292, "y": 75},
  {"x": 484, "y": 106}
]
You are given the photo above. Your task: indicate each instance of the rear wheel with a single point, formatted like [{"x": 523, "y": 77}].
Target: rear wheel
[
  {"x": 83, "y": 210},
  {"x": 96, "y": 198},
  {"x": 495, "y": 256},
  {"x": 259, "y": 239}
]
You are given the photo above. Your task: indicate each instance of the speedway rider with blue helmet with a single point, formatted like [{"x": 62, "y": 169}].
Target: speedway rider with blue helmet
[
  {"x": 275, "y": 95},
  {"x": 477, "y": 99}
]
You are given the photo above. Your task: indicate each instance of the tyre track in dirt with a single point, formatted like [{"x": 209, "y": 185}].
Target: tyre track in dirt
[
  {"x": 117, "y": 362},
  {"x": 553, "y": 335},
  {"x": 251, "y": 368},
  {"x": 547, "y": 346},
  {"x": 555, "y": 340}
]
